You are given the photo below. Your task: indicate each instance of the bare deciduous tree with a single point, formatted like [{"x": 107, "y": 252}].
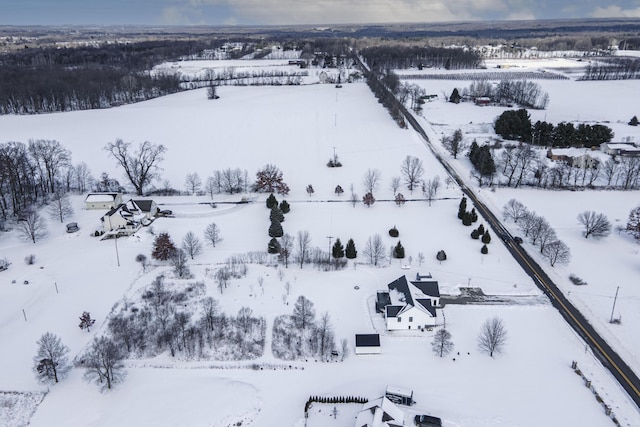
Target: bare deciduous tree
[
  {"x": 104, "y": 363},
  {"x": 412, "y": 171},
  {"x": 60, "y": 206},
  {"x": 344, "y": 349},
  {"x": 514, "y": 210},
  {"x": 395, "y": 184},
  {"x": 212, "y": 234},
  {"x": 303, "y": 313},
  {"x": 430, "y": 188},
  {"x": 374, "y": 249},
  {"x": 142, "y": 166},
  {"x": 493, "y": 336},
  {"x": 222, "y": 276},
  {"x": 193, "y": 182},
  {"x": 325, "y": 336},
  {"x": 303, "y": 246},
  {"x": 51, "y": 363},
  {"x": 191, "y": 244},
  {"x": 442, "y": 344},
  {"x": 210, "y": 309},
  {"x": 371, "y": 180},
  {"x": 50, "y": 157},
  {"x": 82, "y": 176},
  {"x": 179, "y": 262},
  {"x": 595, "y": 224},
  {"x": 557, "y": 252},
  {"x": 31, "y": 226},
  {"x": 286, "y": 247},
  {"x": 244, "y": 319}
]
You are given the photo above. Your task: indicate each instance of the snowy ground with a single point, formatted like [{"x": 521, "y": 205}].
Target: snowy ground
[{"x": 296, "y": 128}]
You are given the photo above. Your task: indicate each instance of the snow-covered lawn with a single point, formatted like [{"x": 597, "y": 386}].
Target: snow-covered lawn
[{"x": 295, "y": 128}]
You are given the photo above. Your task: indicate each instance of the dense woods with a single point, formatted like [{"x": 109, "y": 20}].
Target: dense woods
[
  {"x": 403, "y": 57},
  {"x": 45, "y": 80}
]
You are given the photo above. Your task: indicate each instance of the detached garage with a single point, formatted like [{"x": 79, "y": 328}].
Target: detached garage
[{"x": 367, "y": 344}]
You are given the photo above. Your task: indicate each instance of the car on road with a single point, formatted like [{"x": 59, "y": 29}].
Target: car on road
[{"x": 518, "y": 240}]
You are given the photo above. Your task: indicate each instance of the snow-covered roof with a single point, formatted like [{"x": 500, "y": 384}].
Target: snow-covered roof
[
  {"x": 419, "y": 294},
  {"x": 380, "y": 413},
  {"x": 101, "y": 197}
]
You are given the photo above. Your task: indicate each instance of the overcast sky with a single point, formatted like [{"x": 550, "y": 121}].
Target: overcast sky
[{"x": 277, "y": 12}]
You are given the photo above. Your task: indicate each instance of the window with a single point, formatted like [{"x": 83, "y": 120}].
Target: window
[
  {"x": 399, "y": 319},
  {"x": 410, "y": 319}
]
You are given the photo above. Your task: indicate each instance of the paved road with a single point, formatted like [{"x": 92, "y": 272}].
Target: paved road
[{"x": 607, "y": 356}]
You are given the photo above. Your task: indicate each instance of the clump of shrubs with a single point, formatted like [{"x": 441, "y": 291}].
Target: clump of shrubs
[{"x": 576, "y": 280}]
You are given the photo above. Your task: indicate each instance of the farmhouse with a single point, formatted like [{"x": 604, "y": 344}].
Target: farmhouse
[
  {"x": 367, "y": 344},
  {"x": 413, "y": 304},
  {"x": 380, "y": 413},
  {"x": 102, "y": 200},
  {"x": 148, "y": 208},
  {"x": 121, "y": 219}
]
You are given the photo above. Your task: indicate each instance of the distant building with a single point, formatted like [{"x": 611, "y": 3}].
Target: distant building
[
  {"x": 102, "y": 200},
  {"x": 620, "y": 148}
]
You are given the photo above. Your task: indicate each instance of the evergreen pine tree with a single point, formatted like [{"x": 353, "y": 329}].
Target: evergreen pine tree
[
  {"x": 484, "y": 249},
  {"x": 274, "y": 246},
  {"x": 338, "y": 250},
  {"x": 398, "y": 251},
  {"x": 275, "y": 229},
  {"x": 467, "y": 218},
  {"x": 462, "y": 208},
  {"x": 475, "y": 234},
  {"x": 474, "y": 215},
  {"x": 276, "y": 214},
  {"x": 441, "y": 255},
  {"x": 284, "y": 207},
  {"x": 455, "y": 96},
  {"x": 163, "y": 247},
  {"x": 350, "y": 250},
  {"x": 271, "y": 201},
  {"x": 486, "y": 237},
  {"x": 633, "y": 121},
  {"x": 481, "y": 230}
]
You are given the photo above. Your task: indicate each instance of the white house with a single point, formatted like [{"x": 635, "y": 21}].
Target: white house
[
  {"x": 102, "y": 200},
  {"x": 380, "y": 413},
  {"x": 413, "y": 304},
  {"x": 367, "y": 344},
  {"x": 148, "y": 208},
  {"x": 121, "y": 219}
]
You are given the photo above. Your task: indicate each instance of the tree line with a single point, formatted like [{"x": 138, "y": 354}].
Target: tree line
[
  {"x": 403, "y": 57},
  {"x": 612, "y": 69},
  {"x": 45, "y": 80},
  {"x": 516, "y": 125}
]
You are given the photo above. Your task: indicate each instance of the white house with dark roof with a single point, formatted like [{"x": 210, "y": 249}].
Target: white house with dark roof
[
  {"x": 380, "y": 413},
  {"x": 121, "y": 220},
  {"x": 412, "y": 304},
  {"x": 102, "y": 200},
  {"x": 146, "y": 207}
]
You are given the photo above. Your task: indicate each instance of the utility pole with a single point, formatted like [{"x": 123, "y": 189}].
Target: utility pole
[
  {"x": 115, "y": 241},
  {"x": 614, "y": 304}
]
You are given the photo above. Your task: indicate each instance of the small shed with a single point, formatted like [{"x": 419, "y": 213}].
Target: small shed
[
  {"x": 367, "y": 343},
  {"x": 102, "y": 200},
  {"x": 399, "y": 396}
]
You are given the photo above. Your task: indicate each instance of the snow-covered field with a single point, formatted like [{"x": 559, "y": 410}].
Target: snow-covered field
[{"x": 297, "y": 128}]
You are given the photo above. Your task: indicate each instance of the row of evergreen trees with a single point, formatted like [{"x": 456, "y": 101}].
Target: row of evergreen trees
[
  {"x": 516, "y": 125},
  {"x": 403, "y": 57},
  {"x": 334, "y": 399}
]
